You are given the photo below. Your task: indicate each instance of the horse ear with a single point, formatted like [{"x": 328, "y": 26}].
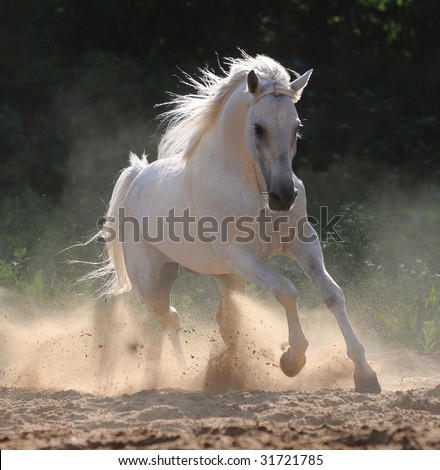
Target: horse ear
[
  {"x": 300, "y": 83},
  {"x": 253, "y": 83}
]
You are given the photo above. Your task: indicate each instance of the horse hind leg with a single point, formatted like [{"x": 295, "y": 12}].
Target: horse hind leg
[
  {"x": 158, "y": 302},
  {"x": 152, "y": 274},
  {"x": 170, "y": 322},
  {"x": 227, "y": 316}
]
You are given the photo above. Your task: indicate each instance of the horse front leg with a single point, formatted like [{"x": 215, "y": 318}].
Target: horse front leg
[
  {"x": 248, "y": 267},
  {"x": 310, "y": 258}
]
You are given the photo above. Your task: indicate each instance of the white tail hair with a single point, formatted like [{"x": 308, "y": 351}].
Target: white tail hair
[{"x": 113, "y": 266}]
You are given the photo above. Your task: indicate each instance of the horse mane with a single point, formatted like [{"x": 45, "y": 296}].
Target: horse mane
[{"x": 194, "y": 114}]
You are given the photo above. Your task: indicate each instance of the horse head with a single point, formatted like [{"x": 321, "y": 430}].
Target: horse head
[{"x": 271, "y": 134}]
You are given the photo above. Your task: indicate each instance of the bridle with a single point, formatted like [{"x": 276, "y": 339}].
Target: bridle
[{"x": 275, "y": 89}]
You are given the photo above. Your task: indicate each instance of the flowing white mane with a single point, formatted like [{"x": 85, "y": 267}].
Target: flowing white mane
[{"x": 193, "y": 114}]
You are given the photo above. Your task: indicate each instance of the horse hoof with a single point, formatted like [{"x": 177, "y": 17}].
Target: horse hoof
[
  {"x": 289, "y": 366},
  {"x": 367, "y": 385}
]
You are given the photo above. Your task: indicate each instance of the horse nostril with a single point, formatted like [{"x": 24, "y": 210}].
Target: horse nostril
[{"x": 274, "y": 197}]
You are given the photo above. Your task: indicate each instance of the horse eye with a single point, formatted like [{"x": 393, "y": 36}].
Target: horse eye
[{"x": 259, "y": 131}]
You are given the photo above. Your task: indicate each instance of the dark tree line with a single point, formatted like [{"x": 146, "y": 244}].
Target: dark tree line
[{"x": 372, "y": 97}]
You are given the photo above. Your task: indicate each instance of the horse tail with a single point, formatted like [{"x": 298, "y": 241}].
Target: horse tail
[{"x": 112, "y": 268}]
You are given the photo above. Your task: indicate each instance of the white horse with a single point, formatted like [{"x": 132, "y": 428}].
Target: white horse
[{"x": 225, "y": 157}]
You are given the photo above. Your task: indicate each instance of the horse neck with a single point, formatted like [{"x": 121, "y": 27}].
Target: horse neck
[{"x": 223, "y": 148}]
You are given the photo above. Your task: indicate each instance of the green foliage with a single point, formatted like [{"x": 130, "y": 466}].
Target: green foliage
[
  {"x": 34, "y": 231},
  {"x": 430, "y": 336},
  {"x": 355, "y": 229},
  {"x": 430, "y": 339},
  {"x": 11, "y": 272}
]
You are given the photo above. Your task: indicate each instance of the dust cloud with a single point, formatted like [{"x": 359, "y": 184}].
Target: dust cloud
[{"x": 110, "y": 350}]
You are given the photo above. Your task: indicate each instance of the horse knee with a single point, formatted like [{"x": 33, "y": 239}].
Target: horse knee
[
  {"x": 333, "y": 297},
  {"x": 286, "y": 293}
]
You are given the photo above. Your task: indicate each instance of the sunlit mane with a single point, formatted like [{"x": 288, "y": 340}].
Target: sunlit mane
[{"x": 193, "y": 114}]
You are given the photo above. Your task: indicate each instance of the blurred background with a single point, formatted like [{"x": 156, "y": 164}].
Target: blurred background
[{"x": 79, "y": 81}]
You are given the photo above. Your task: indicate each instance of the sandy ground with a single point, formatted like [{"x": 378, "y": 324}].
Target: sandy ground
[{"x": 87, "y": 380}]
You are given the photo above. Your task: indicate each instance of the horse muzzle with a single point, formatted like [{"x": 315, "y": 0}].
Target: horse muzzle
[{"x": 282, "y": 199}]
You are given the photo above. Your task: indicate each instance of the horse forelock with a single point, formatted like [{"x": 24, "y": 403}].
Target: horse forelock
[{"x": 194, "y": 114}]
